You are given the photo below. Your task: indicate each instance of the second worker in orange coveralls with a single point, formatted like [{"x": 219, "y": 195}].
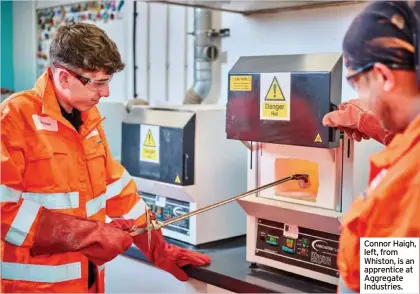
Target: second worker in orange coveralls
[
  {"x": 381, "y": 53},
  {"x": 59, "y": 180}
]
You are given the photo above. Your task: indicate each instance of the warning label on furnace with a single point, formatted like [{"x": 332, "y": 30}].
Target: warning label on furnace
[
  {"x": 275, "y": 96},
  {"x": 240, "y": 83},
  {"x": 389, "y": 265},
  {"x": 149, "y": 140}
]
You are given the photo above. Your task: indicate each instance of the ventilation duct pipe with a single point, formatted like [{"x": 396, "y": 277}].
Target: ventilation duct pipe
[{"x": 204, "y": 54}]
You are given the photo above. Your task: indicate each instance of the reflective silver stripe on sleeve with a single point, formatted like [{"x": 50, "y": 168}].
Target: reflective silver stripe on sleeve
[
  {"x": 9, "y": 194},
  {"x": 138, "y": 210},
  {"x": 116, "y": 187},
  {"x": 95, "y": 205},
  {"x": 54, "y": 200},
  {"x": 22, "y": 223},
  {"x": 41, "y": 273},
  {"x": 66, "y": 200}
]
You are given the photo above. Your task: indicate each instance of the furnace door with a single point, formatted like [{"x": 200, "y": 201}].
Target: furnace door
[{"x": 322, "y": 165}]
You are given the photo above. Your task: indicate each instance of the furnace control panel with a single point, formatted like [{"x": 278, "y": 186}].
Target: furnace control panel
[
  {"x": 166, "y": 208},
  {"x": 305, "y": 248}
]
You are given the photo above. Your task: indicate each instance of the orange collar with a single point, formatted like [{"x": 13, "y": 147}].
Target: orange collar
[
  {"x": 399, "y": 146},
  {"x": 45, "y": 89}
]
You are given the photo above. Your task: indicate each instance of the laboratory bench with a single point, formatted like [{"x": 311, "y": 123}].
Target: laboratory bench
[{"x": 229, "y": 271}]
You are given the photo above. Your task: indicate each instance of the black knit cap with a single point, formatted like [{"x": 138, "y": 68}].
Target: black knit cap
[{"x": 385, "y": 32}]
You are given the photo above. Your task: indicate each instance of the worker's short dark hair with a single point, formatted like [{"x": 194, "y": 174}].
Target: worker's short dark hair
[{"x": 86, "y": 47}]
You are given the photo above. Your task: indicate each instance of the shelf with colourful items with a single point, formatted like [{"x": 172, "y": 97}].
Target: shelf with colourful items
[{"x": 49, "y": 19}]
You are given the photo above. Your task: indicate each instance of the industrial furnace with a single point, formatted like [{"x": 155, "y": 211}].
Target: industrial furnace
[
  {"x": 181, "y": 160},
  {"x": 277, "y": 103}
]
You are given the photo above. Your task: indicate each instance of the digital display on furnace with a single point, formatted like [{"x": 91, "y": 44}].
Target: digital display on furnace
[
  {"x": 272, "y": 240},
  {"x": 289, "y": 245}
]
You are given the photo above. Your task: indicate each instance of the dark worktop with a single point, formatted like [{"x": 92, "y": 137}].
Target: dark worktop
[{"x": 230, "y": 270}]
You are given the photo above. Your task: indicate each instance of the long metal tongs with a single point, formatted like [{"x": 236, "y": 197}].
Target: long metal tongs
[{"x": 154, "y": 225}]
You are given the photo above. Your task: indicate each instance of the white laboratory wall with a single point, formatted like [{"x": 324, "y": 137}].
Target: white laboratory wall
[
  {"x": 295, "y": 32},
  {"x": 24, "y": 44},
  {"x": 164, "y": 50}
]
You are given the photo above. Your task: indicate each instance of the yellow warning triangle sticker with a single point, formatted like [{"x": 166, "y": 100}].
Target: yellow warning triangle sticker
[
  {"x": 149, "y": 141},
  {"x": 274, "y": 92},
  {"x": 318, "y": 138},
  {"x": 177, "y": 180}
]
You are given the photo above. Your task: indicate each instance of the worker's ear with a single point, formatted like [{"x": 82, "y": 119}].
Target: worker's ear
[
  {"x": 385, "y": 76},
  {"x": 63, "y": 77}
]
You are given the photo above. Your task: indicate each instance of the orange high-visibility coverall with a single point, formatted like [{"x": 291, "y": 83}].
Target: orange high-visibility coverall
[
  {"x": 46, "y": 162},
  {"x": 390, "y": 207}
]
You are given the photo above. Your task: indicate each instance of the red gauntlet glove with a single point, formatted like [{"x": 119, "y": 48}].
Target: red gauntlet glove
[
  {"x": 357, "y": 122},
  {"x": 168, "y": 257},
  {"x": 60, "y": 233}
]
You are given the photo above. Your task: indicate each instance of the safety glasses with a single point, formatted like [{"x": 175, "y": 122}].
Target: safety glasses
[
  {"x": 94, "y": 85},
  {"x": 363, "y": 69},
  {"x": 351, "y": 78}
]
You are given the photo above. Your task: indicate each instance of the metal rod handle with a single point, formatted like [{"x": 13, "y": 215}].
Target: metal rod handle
[
  {"x": 156, "y": 225},
  {"x": 226, "y": 201}
]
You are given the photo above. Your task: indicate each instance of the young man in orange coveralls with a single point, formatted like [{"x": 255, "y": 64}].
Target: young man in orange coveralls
[
  {"x": 59, "y": 180},
  {"x": 381, "y": 52}
]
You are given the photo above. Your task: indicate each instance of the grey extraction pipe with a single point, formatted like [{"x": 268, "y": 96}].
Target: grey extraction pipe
[{"x": 202, "y": 64}]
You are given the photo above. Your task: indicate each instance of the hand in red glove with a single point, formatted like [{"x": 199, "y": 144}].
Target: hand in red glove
[
  {"x": 168, "y": 257},
  {"x": 357, "y": 122},
  {"x": 98, "y": 241}
]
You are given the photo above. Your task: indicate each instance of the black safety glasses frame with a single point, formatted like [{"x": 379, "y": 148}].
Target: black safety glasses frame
[
  {"x": 82, "y": 79},
  {"x": 360, "y": 70},
  {"x": 370, "y": 65}
]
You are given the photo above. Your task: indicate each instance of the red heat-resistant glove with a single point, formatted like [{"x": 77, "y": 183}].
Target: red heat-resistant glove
[
  {"x": 60, "y": 233},
  {"x": 357, "y": 122},
  {"x": 168, "y": 257}
]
